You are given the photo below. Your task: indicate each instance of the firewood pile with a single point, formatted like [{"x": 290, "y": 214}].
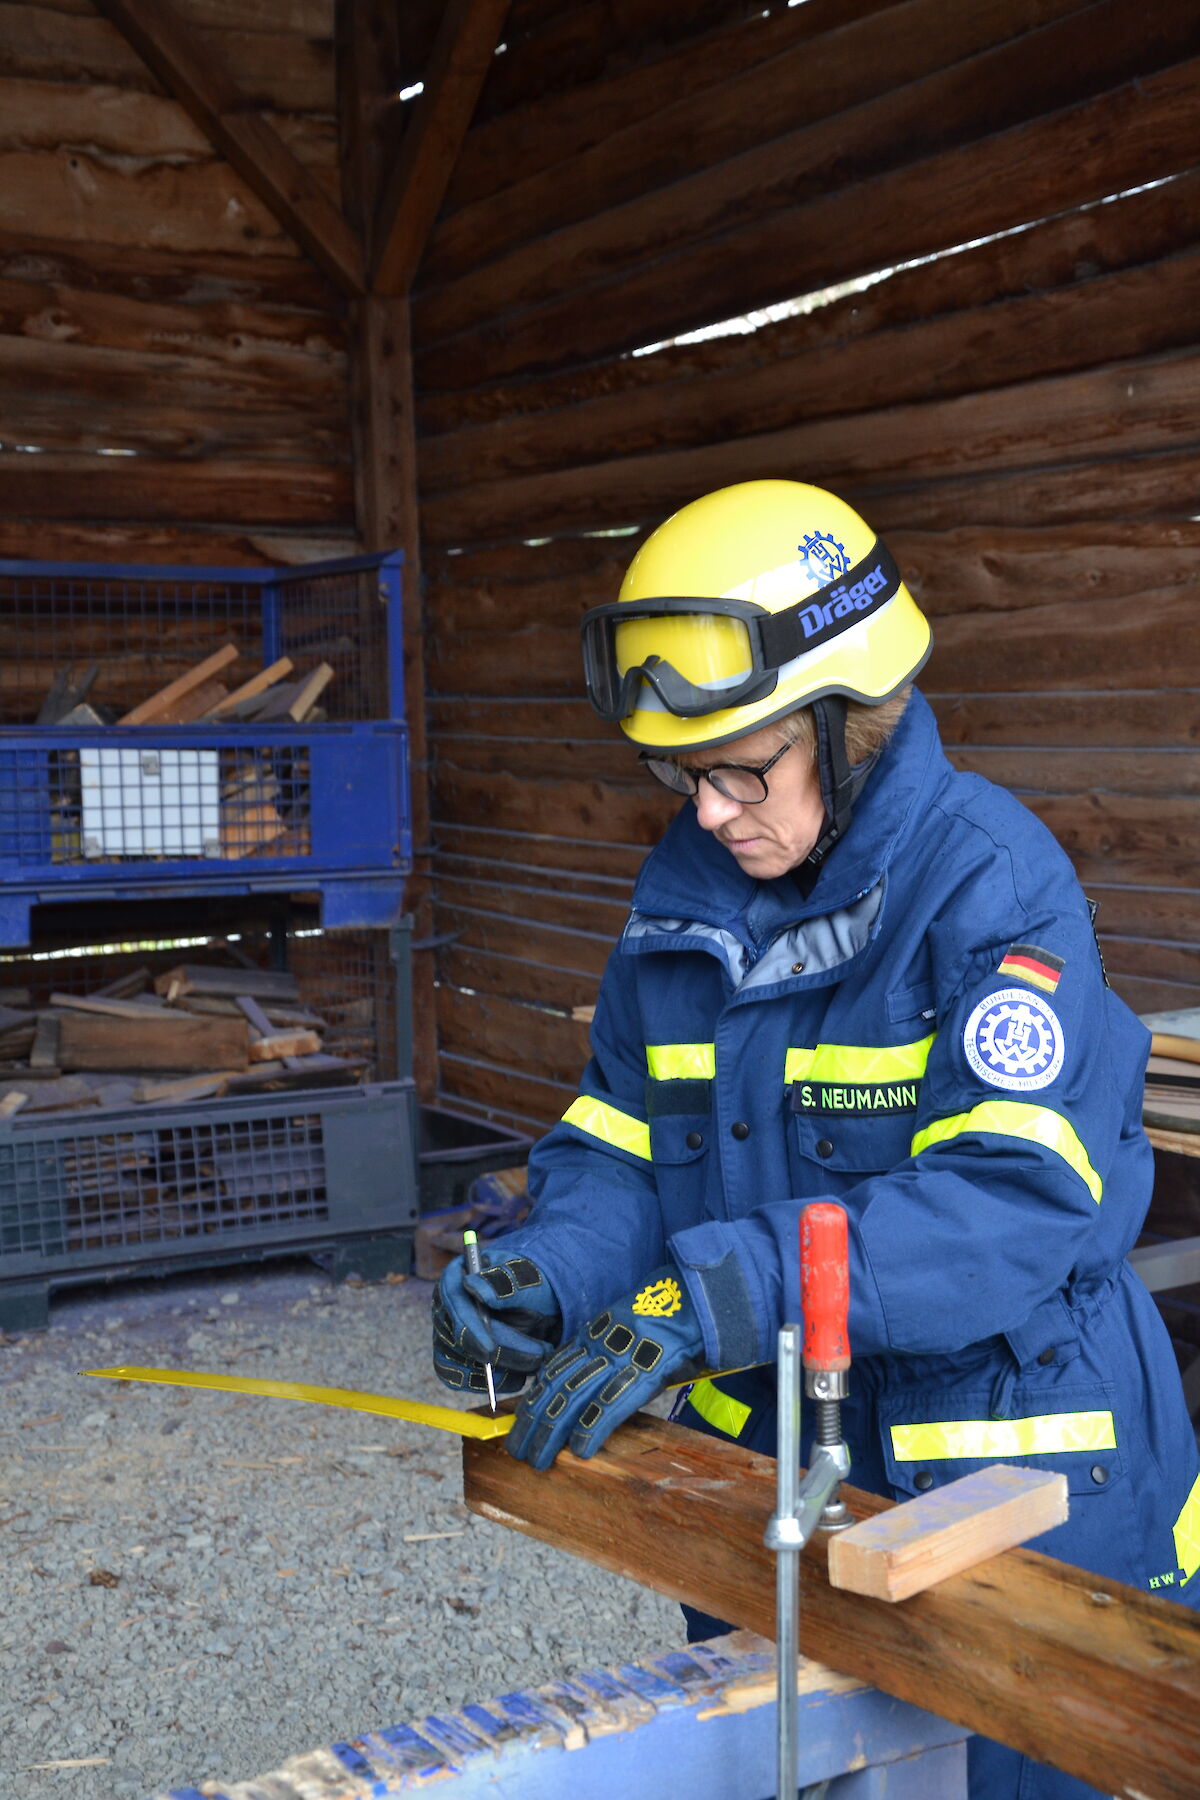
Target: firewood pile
[
  {"x": 196, "y": 1031},
  {"x": 232, "y": 803}
]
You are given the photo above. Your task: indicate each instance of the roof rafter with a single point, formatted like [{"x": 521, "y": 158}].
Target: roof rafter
[
  {"x": 413, "y": 192},
  {"x": 196, "y": 78}
]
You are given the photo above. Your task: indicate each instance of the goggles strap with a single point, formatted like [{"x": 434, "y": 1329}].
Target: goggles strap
[
  {"x": 861, "y": 591},
  {"x": 841, "y": 783}
]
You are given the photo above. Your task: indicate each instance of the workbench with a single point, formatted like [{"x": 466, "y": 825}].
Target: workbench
[{"x": 699, "y": 1722}]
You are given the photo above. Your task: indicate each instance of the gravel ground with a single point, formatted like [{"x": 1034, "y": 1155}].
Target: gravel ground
[{"x": 198, "y": 1585}]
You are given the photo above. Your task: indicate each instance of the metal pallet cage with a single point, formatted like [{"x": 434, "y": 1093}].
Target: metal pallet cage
[
  {"x": 122, "y": 811},
  {"x": 123, "y": 1189}
]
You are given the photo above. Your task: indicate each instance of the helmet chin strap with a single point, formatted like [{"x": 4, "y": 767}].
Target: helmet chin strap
[{"x": 841, "y": 783}]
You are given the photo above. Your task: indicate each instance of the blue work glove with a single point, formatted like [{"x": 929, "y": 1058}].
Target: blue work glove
[
  {"x": 628, "y": 1353},
  {"x": 506, "y": 1315}
]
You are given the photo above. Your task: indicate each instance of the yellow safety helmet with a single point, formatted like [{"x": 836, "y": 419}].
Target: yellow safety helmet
[{"x": 749, "y": 603}]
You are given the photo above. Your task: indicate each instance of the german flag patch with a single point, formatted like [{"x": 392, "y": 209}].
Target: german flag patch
[{"x": 1030, "y": 963}]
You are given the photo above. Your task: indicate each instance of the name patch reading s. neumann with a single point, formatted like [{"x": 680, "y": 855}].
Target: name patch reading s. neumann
[{"x": 855, "y": 1096}]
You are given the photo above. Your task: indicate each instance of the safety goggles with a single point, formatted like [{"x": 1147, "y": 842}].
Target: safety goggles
[{"x": 700, "y": 655}]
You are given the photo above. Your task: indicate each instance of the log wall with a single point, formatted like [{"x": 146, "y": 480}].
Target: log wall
[
  {"x": 994, "y": 211},
  {"x": 172, "y": 369}
]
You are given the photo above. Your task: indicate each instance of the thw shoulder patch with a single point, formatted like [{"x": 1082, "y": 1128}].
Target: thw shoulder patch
[{"x": 1030, "y": 963}]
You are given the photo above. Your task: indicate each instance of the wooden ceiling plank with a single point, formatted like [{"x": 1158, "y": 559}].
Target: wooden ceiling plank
[
  {"x": 188, "y": 70},
  {"x": 461, "y": 59}
]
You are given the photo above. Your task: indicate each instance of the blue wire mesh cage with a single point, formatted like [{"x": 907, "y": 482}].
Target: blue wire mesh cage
[{"x": 129, "y": 810}]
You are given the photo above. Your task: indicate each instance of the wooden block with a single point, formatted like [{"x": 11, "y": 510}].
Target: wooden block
[
  {"x": 294, "y": 699},
  {"x": 12, "y": 1103},
  {"x": 254, "y": 1012},
  {"x": 247, "y": 829},
  {"x": 82, "y": 717},
  {"x": 97, "y": 1003},
  {"x": 44, "y": 1054},
  {"x": 152, "y": 709},
  {"x": 256, "y": 685},
  {"x": 211, "y": 978},
  {"x": 309, "y": 1072},
  {"x": 192, "y": 705},
  {"x": 949, "y": 1529},
  {"x": 125, "y": 986},
  {"x": 56, "y": 1093},
  {"x": 188, "y": 1087},
  {"x": 309, "y": 692},
  {"x": 65, "y": 696},
  {"x": 1184, "y": 1049},
  {"x": 156, "y": 1040},
  {"x": 275, "y": 1013},
  {"x": 286, "y": 1043}
]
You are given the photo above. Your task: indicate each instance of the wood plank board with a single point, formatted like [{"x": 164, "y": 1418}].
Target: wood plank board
[
  {"x": 903, "y": 1551},
  {"x": 1024, "y": 1649},
  {"x": 1129, "y": 134},
  {"x": 158, "y": 1040},
  {"x": 249, "y": 690},
  {"x": 159, "y": 707},
  {"x": 211, "y": 978},
  {"x": 1122, "y": 409}
]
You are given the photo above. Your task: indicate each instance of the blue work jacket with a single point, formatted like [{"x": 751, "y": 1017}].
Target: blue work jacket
[{"x": 926, "y": 1036}]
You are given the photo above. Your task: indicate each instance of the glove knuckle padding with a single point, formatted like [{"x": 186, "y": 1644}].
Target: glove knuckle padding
[{"x": 588, "y": 1387}]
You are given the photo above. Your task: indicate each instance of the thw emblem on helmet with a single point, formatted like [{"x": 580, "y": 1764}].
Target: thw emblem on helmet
[
  {"x": 659, "y": 1300},
  {"x": 823, "y": 556}
]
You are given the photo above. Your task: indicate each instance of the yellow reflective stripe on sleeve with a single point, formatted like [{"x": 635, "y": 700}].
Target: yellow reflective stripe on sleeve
[
  {"x": 1012, "y": 1118},
  {"x": 1187, "y": 1534},
  {"x": 722, "y": 1411},
  {"x": 1040, "y": 1436},
  {"x": 681, "y": 1062},
  {"x": 858, "y": 1062},
  {"x": 603, "y": 1121}
]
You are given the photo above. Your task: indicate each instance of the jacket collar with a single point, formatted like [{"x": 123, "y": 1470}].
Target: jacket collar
[{"x": 689, "y": 875}]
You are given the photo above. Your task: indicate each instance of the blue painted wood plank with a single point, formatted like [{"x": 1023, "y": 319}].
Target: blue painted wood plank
[{"x": 699, "y": 1722}]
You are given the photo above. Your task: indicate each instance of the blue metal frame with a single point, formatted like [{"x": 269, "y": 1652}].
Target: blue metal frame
[{"x": 360, "y": 845}]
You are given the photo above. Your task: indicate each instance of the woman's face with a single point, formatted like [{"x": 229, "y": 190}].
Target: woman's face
[{"x": 777, "y": 834}]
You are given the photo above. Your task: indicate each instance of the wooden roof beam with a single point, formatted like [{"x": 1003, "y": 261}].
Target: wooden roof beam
[
  {"x": 196, "y": 78},
  {"x": 413, "y": 192}
]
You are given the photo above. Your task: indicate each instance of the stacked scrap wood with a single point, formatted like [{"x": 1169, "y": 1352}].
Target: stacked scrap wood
[
  {"x": 197, "y": 696},
  {"x": 263, "y": 804},
  {"x": 197, "y": 1031}
]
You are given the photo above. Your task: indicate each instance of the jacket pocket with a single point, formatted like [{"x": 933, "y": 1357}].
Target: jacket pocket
[
  {"x": 930, "y": 1438},
  {"x": 855, "y": 1143},
  {"x": 681, "y": 1128}
]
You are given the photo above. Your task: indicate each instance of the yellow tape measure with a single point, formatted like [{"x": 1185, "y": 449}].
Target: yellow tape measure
[{"x": 417, "y": 1412}]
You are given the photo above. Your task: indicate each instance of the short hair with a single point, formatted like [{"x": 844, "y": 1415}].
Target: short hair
[{"x": 868, "y": 728}]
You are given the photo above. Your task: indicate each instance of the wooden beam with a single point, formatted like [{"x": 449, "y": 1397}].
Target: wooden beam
[
  {"x": 462, "y": 55},
  {"x": 1073, "y": 1670},
  {"x": 384, "y": 439},
  {"x": 190, "y": 72}
]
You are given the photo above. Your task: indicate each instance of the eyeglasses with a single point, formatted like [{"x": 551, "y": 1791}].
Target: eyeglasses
[{"x": 733, "y": 780}]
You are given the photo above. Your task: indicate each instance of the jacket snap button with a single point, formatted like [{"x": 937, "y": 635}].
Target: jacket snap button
[
  {"x": 1047, "y": 1356},
  {"x": 797, "y": 968},
  {"x": 824, "y": 1146},
  {"x": 1099, "y": 1474},
  {"x": 741, "y": 1129},
  {"x": 694, "y": 1140},
  {"x": 923, "y": 1480}
]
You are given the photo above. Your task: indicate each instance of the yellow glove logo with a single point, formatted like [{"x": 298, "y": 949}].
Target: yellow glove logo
[{"x": 659, "y": 1300}]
